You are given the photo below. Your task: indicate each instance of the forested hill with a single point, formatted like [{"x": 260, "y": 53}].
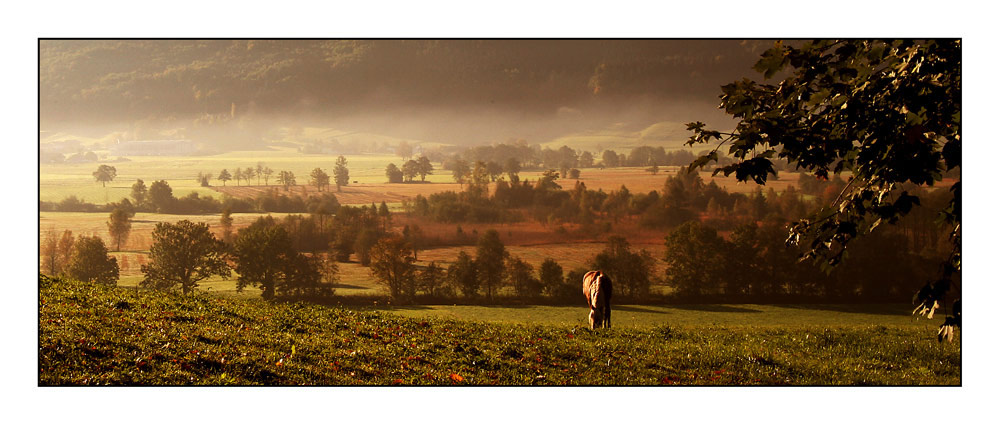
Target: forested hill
[{"x": 122, "y": 80}]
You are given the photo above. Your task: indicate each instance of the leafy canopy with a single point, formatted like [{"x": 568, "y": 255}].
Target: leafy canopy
[
  {"x": 887, "y": 113},
  {"x": 182, "y": 254}
]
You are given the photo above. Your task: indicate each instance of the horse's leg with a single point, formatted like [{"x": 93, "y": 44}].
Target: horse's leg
[{"x": 607, "y": 315}]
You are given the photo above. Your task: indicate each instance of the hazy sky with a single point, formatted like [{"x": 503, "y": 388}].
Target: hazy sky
[{"x": 456, "y": 91}]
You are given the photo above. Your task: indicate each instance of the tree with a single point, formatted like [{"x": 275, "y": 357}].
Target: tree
[
  {"x": 404, "y": 150},
  {"x": 630, "y": 271},
  {"x": 226, "y": 221},
  {"x": 886, "y": 112},
  {"x": 551, "y": 276},
  {"x": 424, "y": 167},
  {"x": 262, "y": 251},
  {"x": 248, "y": 174},
  {"x": 586, "y": 159},
  {"x": 414, "y": 235},
  {"x": 695, "y": 258},
  {"x": 64, "y": 250},
  {"x": 392, "y": 266},
  {"x": 286, "y": 179},
  {"x": 460, "y": 171},
  {"x": 90, "y": 262},
  {"x": 183, "y": 254},
  {"x": 490, "y": 256},
  {"x": 494, "y": 170},
  {"x": 393, "y": 173},
  {"x": 203, "y": 179},
  {"x": 574, "y": 173},
  {"x": 547, "y": 181},
  {"x": 139, "y": 192},
  {"x": 105, "y": 174},
  {"x": 125, "y": 205},
  {"x": 385, "y": 216},
  {"x": 520, "y": 275},
  {"x": 319, "y": 178},
  {"x": 462, "y": 275},
  {"x": 340, "y": 173},
  {"x": 267, "y": 171},
  {"x": 367, "y": 238},
  {"x": 610, "y": 158},
  {"x": 259, "y": 172},
  {"x": 119, "y": 226},
  {"x": 410, "y": 170},
  {"x": 512, "y": 167},
  {"x": 161, "y": 196},
  {"x": 480, "y": 176},
  {"x": 238, "y": 175},
  {"x": 50, "y": 252},
  {"x": 303, "y": 276},
  {"x": 431, "y": 280},
  {"x": 224, "y": 176}
]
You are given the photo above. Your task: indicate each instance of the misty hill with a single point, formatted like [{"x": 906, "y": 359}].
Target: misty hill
[{"x": 451, "y": 91}]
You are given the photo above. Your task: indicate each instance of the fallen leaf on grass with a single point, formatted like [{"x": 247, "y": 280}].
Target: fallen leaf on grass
[{"x": 456, "y": 377}]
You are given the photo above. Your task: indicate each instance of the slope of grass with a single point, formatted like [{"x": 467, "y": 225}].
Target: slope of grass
[{"x": 93, "y": 335}]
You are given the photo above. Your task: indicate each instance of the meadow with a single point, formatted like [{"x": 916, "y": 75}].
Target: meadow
[
  {"x": 97, "y": 335},
  {"x": 58, "y": 181}
]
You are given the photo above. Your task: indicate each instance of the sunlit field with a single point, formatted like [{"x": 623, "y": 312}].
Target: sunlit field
[
  {"x": 646, "y": 316},
  {"x": 96, "y": 335},
  {"x": 58, "y": 181}
]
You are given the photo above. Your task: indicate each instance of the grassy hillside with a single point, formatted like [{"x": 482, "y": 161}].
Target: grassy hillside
[{"x": 92, "y": 335}]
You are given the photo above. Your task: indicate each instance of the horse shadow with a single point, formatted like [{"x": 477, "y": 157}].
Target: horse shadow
[
  {"x": 634, "y": 309},
  {"x": 715, "y": 308}
]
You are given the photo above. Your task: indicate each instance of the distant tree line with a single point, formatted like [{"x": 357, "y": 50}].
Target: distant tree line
[
  {"x": 534, "y": 157},
  {"x": 411, "y": 169},
  {"x": 158, "y": 197}
]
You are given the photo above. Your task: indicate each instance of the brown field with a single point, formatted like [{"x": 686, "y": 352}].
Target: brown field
[
  {"x": 568, "y": 244},
  {"x": 353, "y": 194}
]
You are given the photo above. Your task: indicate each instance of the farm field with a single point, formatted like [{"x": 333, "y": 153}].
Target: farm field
[
  {"x": 95, "y": 224},
  {"x": 96, "y": 335},
  {"x": 58, "y": 181}
]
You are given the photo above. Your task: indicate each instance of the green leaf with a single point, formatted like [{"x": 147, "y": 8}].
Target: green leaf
[{"x": 772, "y": 61}]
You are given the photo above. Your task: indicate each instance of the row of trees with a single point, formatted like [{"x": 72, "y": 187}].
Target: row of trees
[
  {"x": 411, "y": 169},
  {"x": 85, "y": 258},
  {"x": 494, "y": 272},
  {"x": 185, "y": 253},
  {"x": 755, "y": 265},
  {"x": 566, "y": 158}
]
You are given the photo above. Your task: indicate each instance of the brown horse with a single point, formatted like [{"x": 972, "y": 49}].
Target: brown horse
[{"x": 597, "y": 289}]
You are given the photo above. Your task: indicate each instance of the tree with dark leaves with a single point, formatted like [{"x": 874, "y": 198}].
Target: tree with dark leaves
[
  {"x": 341, "y": 175},
  {"x": 490, "y": 256},
  {"x": 886, "y": 113},
  {"x": 392, "y": 266},
  {"x": 119, "y": 226},
  {"x": 90, "y": 262},
  {"x": 183, "y": 254},
  {"x": 105, "y": 174}
]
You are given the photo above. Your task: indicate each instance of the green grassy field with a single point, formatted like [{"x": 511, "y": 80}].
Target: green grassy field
[
  {"x": 94, "y": 335},
  {"x": 57, "y": 181},
  {"x": 646, "y": 316}
]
